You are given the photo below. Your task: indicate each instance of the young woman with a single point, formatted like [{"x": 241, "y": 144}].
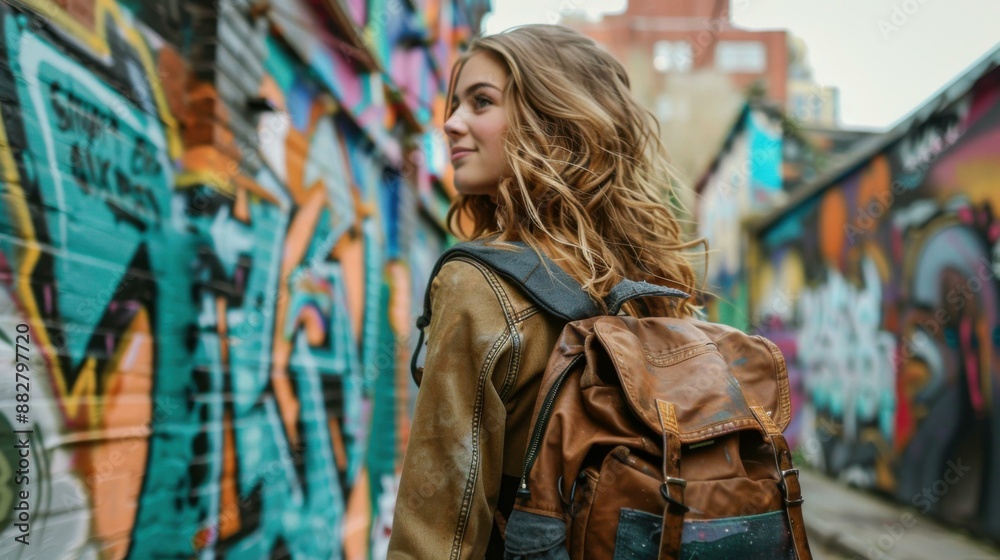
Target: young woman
[{"x": 549, "y": 148}]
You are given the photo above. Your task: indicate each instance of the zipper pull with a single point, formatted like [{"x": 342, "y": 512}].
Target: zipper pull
[{"x": 522, "y": 491}]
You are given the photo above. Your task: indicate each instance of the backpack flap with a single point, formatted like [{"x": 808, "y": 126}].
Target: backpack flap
[
  {"x": 671, "y": 360},
  {"x": 758, "y": 365}
]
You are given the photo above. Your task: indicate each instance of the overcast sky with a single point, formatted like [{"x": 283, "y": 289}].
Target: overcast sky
[{"x": 885, "y": 68}]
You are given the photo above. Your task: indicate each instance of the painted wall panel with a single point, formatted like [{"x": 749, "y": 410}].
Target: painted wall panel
[
  {"x": 209, "y": 242},
  {"x": 746, "y": 179},
  {"x": 884, "y": 290}
]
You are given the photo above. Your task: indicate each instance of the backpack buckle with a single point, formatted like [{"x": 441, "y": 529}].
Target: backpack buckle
[
  {"x": 784, "y": 487},
  {"x": 678, "y": 481},
  {"x": 568, "y": 504},
  {"x": 665, "y": 492}
]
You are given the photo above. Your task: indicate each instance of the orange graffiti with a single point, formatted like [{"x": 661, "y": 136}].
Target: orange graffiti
[
  {"x": 296, "y": 244},
  {"x": 832, "y": 219},
  {"x": 350, "y": 252},
  {"x": 270, "y": 90},
  {"x": 357, "y": 520},
  {"x": 399, "y": 318},
  {"x": 337, "y": 440},
  {"x": 113, "y": 466},
  {"x": 172, "y": 74},
  {"x": 229, "y": 508},
  {"x": 296, "y": 154},
  {"x": 980, "y": 181}
]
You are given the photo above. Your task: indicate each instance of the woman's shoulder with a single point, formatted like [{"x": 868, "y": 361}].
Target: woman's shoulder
[
  {"x": 459, "y": 275},
  {"x": 464, "y": 282}
]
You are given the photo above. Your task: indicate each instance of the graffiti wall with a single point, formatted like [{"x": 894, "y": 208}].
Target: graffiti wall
[
  {"x": 214, "y": 225},
  {"x": 745, "y": 178},
  {"x": 882, "y": 291}
]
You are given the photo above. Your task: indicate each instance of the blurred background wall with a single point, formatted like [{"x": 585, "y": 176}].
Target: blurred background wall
[
  {"x": 878, "y": 282},
  {"x": 870, "y": 256},
  {"x": 216, "y": 222},
  {"x": 871, "y": 260}
]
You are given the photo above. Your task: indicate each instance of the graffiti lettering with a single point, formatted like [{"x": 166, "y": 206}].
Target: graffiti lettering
[
  {"x": 94, "y": 163},
  {"x": 75, "y": 114},
  {"x": 897, "y": 331},
  {"x": 96, "y": 175},
  {"x": 841, "y": 339}
]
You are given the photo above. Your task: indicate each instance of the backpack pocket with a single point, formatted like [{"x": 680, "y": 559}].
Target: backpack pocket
[
  {"x": 620, "y": 481},
  {"x": 638, "y": 535},
  {"x": 530, "y": 536},
  {"x": 764, "y": 536},
  {"x": 617, "y": 510}
]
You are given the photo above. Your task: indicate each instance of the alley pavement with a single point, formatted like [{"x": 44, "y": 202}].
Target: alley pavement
[{"x": 845, "y": 522}]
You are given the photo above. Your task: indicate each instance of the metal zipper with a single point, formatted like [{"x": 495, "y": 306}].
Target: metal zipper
[{"x": 543, "y": 419}]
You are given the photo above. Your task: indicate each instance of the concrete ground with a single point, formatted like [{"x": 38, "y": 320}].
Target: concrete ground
[{"x": 847, "y": 523}]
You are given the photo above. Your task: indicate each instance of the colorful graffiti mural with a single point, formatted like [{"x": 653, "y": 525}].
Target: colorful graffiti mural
[
  {"x": 746, "y": 178},
  {"x": 882, "y": 291},
  {"x": 215, "y": 244}
]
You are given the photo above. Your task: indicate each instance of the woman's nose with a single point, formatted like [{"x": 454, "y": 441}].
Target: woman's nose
[{"x": 454, "y": 126}]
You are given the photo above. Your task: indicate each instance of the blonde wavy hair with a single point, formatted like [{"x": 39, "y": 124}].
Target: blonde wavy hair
[{"x": 591, "y": 187}]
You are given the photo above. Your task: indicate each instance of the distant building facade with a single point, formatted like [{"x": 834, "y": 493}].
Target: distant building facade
[
  {"x": 690, "y": 67},
  {"x": 694, "y": 70}
]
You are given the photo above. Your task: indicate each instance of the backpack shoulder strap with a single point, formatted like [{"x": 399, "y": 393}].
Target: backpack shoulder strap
[
  {"x": 547, "y": 285},
  {"x": 544, "y": 283}
]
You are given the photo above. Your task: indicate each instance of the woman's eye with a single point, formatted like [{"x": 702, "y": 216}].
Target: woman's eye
[{"x": 481, "y": 101}]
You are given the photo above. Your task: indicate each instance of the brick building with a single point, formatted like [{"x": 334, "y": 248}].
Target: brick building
[{"x": 693, "y": 69}]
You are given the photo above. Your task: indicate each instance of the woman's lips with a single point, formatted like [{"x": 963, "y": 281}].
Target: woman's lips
[{"x": 457, "y": 154}]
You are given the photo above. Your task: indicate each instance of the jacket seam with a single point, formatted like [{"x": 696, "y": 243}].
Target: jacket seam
[
  {"x": 484, "y": 377},
  {"x": 477, "y": 416},
  {"x": 510, "y": 378},
  {"x": 510, "y": 381},
  {"x": 526, "y": 313},
  {"x": 515, "y": 341},
  {"x": 508, "y": 385},
  {"x": 514, "y": 364}
]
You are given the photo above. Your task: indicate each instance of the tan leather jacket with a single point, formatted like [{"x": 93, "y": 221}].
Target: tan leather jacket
[{"x": 487, "y": 349}]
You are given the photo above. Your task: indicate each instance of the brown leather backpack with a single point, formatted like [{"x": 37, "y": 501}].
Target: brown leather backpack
[
  {"x": 661, "y": 438},
  {"x": 651, "y": 437}
]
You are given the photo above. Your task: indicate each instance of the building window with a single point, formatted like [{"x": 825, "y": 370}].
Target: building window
[
  {"x": 801, "y": 111},
  {"x": 672, "y": 56},
  {"x": 741, "y": 56}
]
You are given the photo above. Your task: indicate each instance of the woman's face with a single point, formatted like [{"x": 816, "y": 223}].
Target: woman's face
[{"x": 477, "y": 125}]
